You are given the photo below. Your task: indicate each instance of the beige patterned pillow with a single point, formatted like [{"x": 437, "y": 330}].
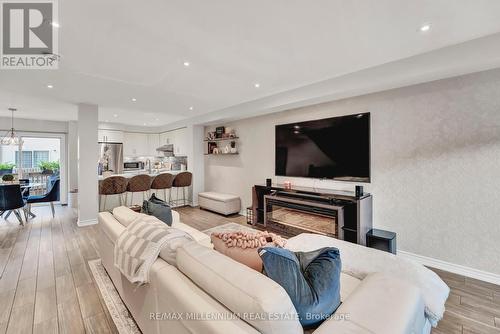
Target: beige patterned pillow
[{"x": 242, "y": 246}]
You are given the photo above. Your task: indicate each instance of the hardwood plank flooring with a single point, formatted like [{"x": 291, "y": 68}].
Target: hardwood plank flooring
[{"x": 46, "y": 285}]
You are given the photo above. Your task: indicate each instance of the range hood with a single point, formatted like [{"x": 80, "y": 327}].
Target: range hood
[{"x": 168, "y": 150}]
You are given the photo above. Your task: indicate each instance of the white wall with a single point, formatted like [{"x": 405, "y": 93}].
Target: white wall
[{"x": 435, "y": 164}]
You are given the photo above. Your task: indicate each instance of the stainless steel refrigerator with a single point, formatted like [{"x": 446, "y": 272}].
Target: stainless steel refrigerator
[{"x": 110, "y": 158}]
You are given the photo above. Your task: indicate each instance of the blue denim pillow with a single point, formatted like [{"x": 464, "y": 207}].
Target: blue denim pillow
[
  {"x": 311, "y": 279},
  {"x": 158, "y": 208}
]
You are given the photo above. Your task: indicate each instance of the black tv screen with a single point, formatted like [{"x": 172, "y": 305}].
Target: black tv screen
[{"x": 335, "y": 148}]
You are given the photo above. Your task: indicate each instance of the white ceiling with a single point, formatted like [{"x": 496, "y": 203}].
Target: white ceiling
[{"x": 114, "y": 50}]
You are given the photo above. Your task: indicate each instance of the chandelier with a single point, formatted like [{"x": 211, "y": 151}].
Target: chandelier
[{"x": 10, "y": 137}]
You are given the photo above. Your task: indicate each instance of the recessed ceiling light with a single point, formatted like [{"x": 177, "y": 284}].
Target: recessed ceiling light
[
  {"x": 296, "y": 127},
  {"x": 424, "y": 28},
  {"x": 134, "y": 99},
  {"x": 256, "y": 85},
  {"x": 55, "y": 24},
  {"x": 186, "y": 63},
  {"x": 191, "y": 108},
  {"x": 143, "y": 123},
  {"x": 115, "y": 115},
  {"x": 50, "y": 86}
]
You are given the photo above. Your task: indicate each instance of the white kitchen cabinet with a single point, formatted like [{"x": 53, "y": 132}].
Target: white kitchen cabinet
[
  {"x": 110, "y": 136},
  {"x": 136, "y": 144},
  {"x": 178, "y": 138},
  {"x": 180, "y": 142},
  {"x": 153, "y": 143},
  {"x": 167, "y": 138}
]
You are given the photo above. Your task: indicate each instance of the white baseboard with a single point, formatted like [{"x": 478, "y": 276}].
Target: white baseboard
[
  {"x": 88, "y": 222},
  {"x": 451, "y": 267}
]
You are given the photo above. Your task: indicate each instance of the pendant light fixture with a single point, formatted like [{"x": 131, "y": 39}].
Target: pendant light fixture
[{"x": 10, "y": 137}]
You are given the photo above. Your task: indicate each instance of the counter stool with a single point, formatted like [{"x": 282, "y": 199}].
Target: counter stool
[
  {"x": 182, "y": 180},
  {"x": 113, "y": 185},
  {"x": 137, "y": 184},
  {"x": 163, "y": 181}
]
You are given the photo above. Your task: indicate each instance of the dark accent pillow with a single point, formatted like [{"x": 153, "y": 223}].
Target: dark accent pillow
[
  {"x": 158, "y": 208},
  {"x": 311, "y": 279}
]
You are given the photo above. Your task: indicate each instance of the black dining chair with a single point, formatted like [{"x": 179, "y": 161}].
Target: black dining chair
[
  {"x": 26, "y": 191},
  {"x": 51, "y": 196},
  {"x": 11, "y": 200}
]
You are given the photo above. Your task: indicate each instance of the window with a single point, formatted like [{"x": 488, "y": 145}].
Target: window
[
  {"x": 39, "y": 156},
  {"x": 27, "y": 159}
]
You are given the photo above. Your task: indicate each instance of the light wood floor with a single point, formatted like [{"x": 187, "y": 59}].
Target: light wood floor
[{"x": 46, "y": 285}]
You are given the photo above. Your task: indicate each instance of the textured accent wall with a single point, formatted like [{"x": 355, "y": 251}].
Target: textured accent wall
[{"x": 435, "y": 164}]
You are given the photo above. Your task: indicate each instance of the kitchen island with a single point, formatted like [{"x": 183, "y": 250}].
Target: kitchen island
[{"x": 113, "y": 201}]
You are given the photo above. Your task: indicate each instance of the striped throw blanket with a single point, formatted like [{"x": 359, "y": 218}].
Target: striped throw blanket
[{"x": 138, "y": 247}]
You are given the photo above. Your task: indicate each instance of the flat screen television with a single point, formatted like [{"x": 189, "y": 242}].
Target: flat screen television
[{"x": 335, "y": 148}]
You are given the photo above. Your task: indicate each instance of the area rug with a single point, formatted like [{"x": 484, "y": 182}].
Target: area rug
[
  {"x": 229, "y": 227},
  {"x": 122, "y": 318}
]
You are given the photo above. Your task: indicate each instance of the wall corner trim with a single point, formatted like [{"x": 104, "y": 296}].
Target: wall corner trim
[
  {"x": 451, "y": 267},
  {"x": 88, "y": 222}
]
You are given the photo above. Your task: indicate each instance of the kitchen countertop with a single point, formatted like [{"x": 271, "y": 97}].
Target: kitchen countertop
[{"x": 142, "y": 172}]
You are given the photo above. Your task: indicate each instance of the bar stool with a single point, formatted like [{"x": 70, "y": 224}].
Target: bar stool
[
  {"x": 113, "y": 185},
  {"x": 182, "y": 180},
  {"x": 163, "y": 181},
  {"x": 137, "y": 184}
]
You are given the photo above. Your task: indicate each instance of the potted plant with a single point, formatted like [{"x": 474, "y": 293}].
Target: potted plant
[
  {"x": 6, "y": 168},
  {"x": 7, "y": 178},
  {"x": 49, "y": 167}
]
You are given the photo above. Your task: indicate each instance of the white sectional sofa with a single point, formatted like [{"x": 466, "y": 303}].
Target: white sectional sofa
[{"x": 208, "y": 292}]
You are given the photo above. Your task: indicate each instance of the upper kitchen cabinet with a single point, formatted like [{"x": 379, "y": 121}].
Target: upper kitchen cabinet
[
  {"x": 167, "y": 138},
  {"x": 110, "y": 136},
  {"x": 178, "y": 138},
  {"x": 153, "y": 143},
  {"x": 136, "y": 144},
  {"x": 181, "y": 142}
]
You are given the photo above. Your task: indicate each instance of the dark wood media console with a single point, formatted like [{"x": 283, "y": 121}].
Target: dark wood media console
[{"x": 338, "y": 214}]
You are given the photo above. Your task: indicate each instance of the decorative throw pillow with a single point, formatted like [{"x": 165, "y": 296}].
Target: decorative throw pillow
[
  {"x": 158, "y": 208},
  {"x": 311, "y": 279},
  {"x": 242, "y": 246}
]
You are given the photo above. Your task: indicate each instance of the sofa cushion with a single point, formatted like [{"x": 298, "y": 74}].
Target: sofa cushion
[
  {"x": 258, "y": 300},
  {"x": 381, "y": 304},
  {"x": 348, "y": 284},
  {"x": 126, "y": 216},
  {"x": 311, "y": 279}
]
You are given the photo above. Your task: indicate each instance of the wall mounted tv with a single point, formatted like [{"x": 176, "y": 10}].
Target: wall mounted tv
[{"x": 335, "y": 148}]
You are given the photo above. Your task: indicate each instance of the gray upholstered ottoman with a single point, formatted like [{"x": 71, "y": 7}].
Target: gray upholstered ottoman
[{"x": 225, "y": 204}]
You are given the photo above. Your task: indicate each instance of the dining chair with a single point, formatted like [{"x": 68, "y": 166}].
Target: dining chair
[
  {"x": 11, "y": 200},
  {"x": 53, "y": 195}
]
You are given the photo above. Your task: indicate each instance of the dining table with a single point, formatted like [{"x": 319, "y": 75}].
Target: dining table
[{"x": 25, "y": 187}]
